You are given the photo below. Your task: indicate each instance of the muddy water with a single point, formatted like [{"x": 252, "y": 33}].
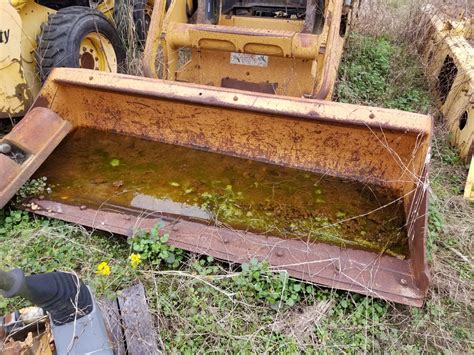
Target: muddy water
[{"x": 91, "y": 167}]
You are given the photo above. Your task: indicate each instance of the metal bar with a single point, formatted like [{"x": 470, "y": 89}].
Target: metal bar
[
  {"x": 298, "y": 108},
  {"x": 337, "y": 267},
  {"x": 40, "y": 131}
]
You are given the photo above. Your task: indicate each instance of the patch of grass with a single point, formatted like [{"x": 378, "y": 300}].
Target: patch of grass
[
  {"x": 238, "y": 314},
  {"x": 201, "y": 306},
  {"x": 376, "y": 71},
  {"x": 435, "y": 229},
  {"x": 275, "y": 288},
  {"x": 39, "y": 245},
  {"x": 205, "y": 304},
  {"x": 449, "y": 173},
  {"x": 441, "y": 325}
]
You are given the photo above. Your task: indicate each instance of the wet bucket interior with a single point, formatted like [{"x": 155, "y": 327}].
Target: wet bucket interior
[{"x": 92, "y": 166}]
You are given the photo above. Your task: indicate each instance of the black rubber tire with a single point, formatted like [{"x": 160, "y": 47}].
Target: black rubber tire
[
  {"x": 142, "y": 22},
  {"x": 61, "y": 4},
  {"x": 60, "y": 38}
]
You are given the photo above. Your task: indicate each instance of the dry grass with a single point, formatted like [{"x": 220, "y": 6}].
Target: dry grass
[
  {"x": 390, "y": 17},
  {"x": 126, "y": 26}
]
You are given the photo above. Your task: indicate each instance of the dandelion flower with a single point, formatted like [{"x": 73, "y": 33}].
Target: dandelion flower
[
  {"x": 103, "y": 269},
  {"x": 135, "y": 260}
]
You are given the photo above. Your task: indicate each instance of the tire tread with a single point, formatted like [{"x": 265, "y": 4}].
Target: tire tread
[{"x": 53, "y": 39}]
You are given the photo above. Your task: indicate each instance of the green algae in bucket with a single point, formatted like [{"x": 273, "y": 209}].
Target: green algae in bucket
[{"x": 241, "y": 193}]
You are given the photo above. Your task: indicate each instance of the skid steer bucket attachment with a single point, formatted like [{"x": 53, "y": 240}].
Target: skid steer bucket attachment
[{"x": 335, "y": 194}]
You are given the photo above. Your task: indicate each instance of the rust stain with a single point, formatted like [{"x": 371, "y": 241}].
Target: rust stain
[{"x": 41, "y": 101}]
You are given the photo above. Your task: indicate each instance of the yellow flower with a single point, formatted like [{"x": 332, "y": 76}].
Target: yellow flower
[
  {"x": 135, "y": 260},
  {"x": 103, "y": 269}
]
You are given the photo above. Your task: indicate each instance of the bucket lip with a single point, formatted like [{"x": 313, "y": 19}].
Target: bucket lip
[
  {"x": 298, "y": 108},
  {"x": 354, "y": 270}
]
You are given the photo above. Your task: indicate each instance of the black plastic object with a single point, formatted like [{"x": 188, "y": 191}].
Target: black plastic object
[
  {"x": 11, "y": 283},
  {"x": 63, "y": 295}
]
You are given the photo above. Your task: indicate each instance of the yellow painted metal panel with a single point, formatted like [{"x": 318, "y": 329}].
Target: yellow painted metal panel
[
  {"x": 19, "y": 81},
  {"x": 296, "y": 64},
  {"x": 32, "y": 16},
  {"x": 469, "y": 189},
  {"x": 450, "y": 66},
  {"x": 15, "y": 95}
]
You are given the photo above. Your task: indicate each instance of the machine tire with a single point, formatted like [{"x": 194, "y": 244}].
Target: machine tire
[
  {"x": 142, "y": 22},
  {"x": 62, "y": 37},
  {"x": 61, "y": 4}
]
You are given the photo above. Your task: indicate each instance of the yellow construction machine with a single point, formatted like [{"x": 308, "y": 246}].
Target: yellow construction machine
[
  {"x": 247, "y": 165},
  {"x": 290, "y": 48},
  {"x": 449, "y": 55},
  {"x": 36, "y": 36}
]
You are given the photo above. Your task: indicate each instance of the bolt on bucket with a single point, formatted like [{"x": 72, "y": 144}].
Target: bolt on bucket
[{"x": 335, "y": 194}]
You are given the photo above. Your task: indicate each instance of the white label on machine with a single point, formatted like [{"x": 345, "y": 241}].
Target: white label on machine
[{"x": 256, "y": 60}]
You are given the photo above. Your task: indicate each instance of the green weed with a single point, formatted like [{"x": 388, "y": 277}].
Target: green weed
[
  {"x": 257, "y": 281},
  {"x": 355, "y": 324},
  {"x": 33, "y": 188},
  {"x": 205, "y": 266},
  {"x": 223, "y": 205},
  {"x": 435, "y": 229},
  {"x": 448, "y": 154},
  {"x": 374, "y": 73},
  {"x": 155, "y": 249},
  {"x": 13, "y": 221}
]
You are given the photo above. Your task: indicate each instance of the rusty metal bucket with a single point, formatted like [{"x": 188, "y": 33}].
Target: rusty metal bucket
[{"x": 386, "y": 148}]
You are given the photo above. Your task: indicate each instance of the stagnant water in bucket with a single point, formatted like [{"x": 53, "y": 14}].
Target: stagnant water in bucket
[{"x": 91, "y": 167}]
